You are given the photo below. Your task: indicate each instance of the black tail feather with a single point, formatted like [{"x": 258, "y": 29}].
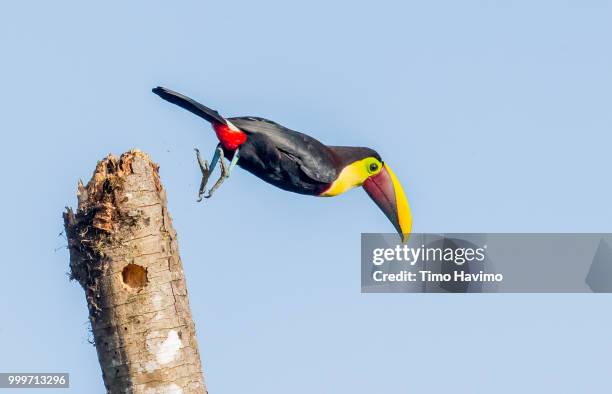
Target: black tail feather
[{"x": 190, "y": 105}]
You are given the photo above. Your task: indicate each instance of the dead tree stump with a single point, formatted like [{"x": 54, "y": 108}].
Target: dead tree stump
[{"x": 124, "y": 253}]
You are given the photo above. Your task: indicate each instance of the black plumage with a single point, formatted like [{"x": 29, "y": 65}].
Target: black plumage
[
  {"x": 189, "y": 104},
  {"x": 289, "y": 159},
  {"x": 286, "y": 158}
]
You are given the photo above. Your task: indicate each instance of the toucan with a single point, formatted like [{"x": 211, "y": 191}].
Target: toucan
[{"x": 296, "y": 162}]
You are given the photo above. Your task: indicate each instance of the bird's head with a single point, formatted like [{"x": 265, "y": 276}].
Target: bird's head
[{"x": 364, "y": 167}]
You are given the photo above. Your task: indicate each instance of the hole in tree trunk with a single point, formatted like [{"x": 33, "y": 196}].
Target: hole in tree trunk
[{"x": 134, "y": 276}]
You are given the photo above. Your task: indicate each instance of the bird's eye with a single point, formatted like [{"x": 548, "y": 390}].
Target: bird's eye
[{"x": 373, "y": 167}]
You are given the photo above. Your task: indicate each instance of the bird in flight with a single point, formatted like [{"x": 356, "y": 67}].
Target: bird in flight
[{"x": 296, "y": 162}]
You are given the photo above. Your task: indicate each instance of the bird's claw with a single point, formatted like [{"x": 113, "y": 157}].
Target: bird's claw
[
  {"x": 205, "y": 168},
  {"x": 224, "y": 174},
  {"x": 206, "y": 171}
]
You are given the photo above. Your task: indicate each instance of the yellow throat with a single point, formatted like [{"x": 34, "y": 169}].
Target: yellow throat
[{"x": 351, "y": 176}]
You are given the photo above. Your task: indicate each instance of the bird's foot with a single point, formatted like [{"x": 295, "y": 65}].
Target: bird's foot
[
  {"x": 224, "y": 174},
  {"x": 205, "y": 168}
]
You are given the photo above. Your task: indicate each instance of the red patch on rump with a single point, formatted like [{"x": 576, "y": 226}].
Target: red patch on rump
[{"x": 230, "y": 139}]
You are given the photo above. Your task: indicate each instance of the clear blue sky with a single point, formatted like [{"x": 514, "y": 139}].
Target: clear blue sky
[{"x": 495, "y": 115}]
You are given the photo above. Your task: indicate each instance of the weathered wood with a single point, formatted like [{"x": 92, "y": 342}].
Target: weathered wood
[{"x": 124, "y": 253}]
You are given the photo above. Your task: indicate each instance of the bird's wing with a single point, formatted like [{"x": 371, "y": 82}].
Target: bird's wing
[{"x": 314, "y": 158}]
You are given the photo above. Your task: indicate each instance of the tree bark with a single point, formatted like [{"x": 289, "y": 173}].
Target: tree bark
[{"x": 124, "y": 253}]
